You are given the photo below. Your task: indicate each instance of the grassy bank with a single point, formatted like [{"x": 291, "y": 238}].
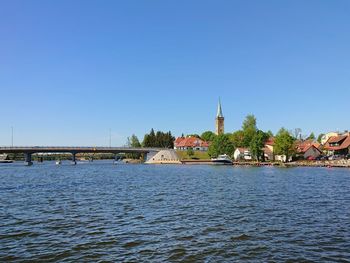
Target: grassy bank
[{"x": 197, "y": 155}]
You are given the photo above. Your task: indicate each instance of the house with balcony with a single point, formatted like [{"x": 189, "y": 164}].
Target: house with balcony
[{"x": 338, "y": 145}]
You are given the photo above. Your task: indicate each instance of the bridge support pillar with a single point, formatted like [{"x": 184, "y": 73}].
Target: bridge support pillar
[
  {"x": 74, "y": 161},
  {"x": 144, "y": 157},
  {"x": 116, "y": 158},
  {"x": 28, "y": 159}
]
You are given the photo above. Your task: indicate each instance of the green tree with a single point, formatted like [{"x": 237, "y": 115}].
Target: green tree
[
  {"x": 237, "y": 138},
  {"x": 133, "y": 142},
  {"x": 221, "y": 145},
  {"x": 257, "y": 144},
  {"x": 159, "y": 139},
  {"x": 311, "y": 136},
  {"x": 208, "y": 136},
  {"x": 149, "y": 140},
  {"x": 249, "y": 122},
  {"x": 249, "y": 129},
  {"x": 146, "y": 141},
  {"x": 269, "y": 133},
  {"x": 169, "y": 138},
  {"x": 284, "y": 143}
]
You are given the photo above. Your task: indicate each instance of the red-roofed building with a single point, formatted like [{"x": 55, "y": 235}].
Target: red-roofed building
[
  {"x": 184, "y": 143},
  {"x": 308, "y": 149},
  {"x": 338, "y": 144}
]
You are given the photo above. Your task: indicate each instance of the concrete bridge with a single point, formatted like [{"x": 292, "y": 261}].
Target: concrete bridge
[{"x": 29, "y": 150}]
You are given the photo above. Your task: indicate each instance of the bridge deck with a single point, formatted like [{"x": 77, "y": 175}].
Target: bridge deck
[{"x": 62, "y": 149}]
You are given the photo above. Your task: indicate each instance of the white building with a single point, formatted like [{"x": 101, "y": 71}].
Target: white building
[{"x": 242, "y": 154}]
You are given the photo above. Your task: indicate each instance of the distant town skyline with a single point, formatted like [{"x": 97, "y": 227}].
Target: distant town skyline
[{"x": 71, "y": 72}]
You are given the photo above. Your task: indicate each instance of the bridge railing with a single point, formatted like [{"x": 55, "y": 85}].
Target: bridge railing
[
  {"x": 75, "y": 148},
  {"x": 68, "y": 147}
]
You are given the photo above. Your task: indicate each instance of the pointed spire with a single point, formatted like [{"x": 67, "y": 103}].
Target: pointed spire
[{"x": 219, "y": 111}]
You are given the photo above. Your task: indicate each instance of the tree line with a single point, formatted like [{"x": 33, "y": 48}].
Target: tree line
[
  {"x": 254, "y": 139},
  {"x": 153, "y": 139},
  {"x": 249, "y": 136}
]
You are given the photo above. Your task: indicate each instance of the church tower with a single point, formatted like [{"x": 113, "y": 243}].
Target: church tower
[{"x": 219, "y": 120}]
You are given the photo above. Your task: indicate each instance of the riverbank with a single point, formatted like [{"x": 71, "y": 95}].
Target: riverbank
[
  {"x": 335, "y": 163},
  {"x": 204, "y": 161},
  {"x": 329, "y": 164}
]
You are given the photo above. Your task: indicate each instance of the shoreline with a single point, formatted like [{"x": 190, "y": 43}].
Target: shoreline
[{"x": 326, "y": 164}]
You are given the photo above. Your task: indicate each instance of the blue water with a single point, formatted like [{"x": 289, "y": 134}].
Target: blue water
[{"x": 181, "y": 213}]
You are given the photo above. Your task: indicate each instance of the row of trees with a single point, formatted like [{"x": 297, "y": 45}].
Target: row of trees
[
  {"x": 159, "y": 139},
  {"x": 152, "y": 139}
]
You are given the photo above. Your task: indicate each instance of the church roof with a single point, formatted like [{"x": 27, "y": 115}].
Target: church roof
[{"x": 219, "y": 111}]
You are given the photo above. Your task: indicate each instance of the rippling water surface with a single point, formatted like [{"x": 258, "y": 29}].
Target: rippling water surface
[{"x": 139, "y": 213}]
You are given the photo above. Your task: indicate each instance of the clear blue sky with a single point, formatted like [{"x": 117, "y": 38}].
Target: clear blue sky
[{"x": 70, "y": 70}]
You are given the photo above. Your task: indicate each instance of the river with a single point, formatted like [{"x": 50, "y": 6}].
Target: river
[{"x": 181, "y": 213}]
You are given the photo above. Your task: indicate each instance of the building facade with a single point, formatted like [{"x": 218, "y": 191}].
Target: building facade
[
  {"x": 338, "y": 145},
  {"x": 328, "y": 135},
  {"x": 242, "y": 154},
  {"x": 308, "y": 149},
  {"x": 185, "y": 143}
]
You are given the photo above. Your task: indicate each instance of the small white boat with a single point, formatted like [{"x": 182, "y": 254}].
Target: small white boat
[
  {"x": 222, "y": 159},
  {"x": 58, "y": 162}
]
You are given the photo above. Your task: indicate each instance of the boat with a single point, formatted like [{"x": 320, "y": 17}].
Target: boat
[
  {"x": 3, "y": 159},
  {"x": 222, "y": 159},
  {"x": 58, "y": 162},
  {"x": 6, "y": 161}
]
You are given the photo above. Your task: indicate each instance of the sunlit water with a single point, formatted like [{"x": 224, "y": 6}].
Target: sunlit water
[{"x": 138, "y": 213}]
